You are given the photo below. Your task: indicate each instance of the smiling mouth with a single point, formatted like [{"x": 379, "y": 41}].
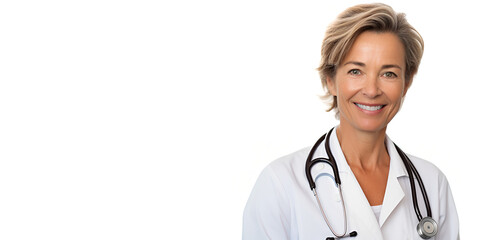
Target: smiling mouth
[{"x": 370, "y": 108}]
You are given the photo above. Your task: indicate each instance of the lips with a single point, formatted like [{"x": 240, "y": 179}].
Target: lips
[{"x": 370, "y": 107}]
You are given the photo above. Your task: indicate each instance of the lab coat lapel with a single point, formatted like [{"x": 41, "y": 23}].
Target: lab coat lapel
[
  {"x": 359, "y": 213},
  {"x": 393, "y": 191}
]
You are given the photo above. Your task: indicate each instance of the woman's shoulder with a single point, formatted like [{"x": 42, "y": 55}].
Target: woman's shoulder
[
  {"x": 287, "y": 171},
  {"x": 427, "y": 168},
  {"x": 290, "y": 162}
]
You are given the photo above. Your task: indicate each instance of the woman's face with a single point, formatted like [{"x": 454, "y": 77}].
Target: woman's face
[{"x": 370, "y": 82}]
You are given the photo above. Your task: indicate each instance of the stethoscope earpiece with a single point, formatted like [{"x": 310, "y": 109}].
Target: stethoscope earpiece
[{"x": 427, "y": 228}]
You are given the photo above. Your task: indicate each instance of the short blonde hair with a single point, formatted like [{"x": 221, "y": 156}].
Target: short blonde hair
[{"x": 378, "y": 17}]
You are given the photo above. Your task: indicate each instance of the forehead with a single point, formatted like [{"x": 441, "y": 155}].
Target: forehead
[{"x": 374, "y": 48}]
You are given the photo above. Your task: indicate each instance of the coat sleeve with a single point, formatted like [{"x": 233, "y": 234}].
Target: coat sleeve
[
  {"x": 448, "y": 225},
  {"x": 267, "y": 212}
]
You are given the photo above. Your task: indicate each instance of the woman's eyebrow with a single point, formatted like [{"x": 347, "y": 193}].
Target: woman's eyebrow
[
  {"x": 363, "y": 65},
  {"x": 391, "y": 66},
  {"x": 355, "y": 63}
]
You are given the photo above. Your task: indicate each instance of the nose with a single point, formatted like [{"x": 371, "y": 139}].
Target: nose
[{"x": 371, "y": 87}]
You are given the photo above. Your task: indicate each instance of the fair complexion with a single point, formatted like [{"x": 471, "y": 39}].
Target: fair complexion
[{"x": 370, "y": 85}]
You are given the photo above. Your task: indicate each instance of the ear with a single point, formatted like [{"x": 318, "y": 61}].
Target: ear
[{"x": 330, "y": 83}]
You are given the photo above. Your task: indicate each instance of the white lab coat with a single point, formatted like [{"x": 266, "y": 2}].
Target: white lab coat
[{"x": 282, "y": 206}]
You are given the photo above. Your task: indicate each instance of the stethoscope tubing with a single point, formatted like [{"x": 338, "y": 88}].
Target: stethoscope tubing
[
  {"x": 411, "y": 170},
  {"x": 412, "y": 173},
  {"x": 330, "y": 161},
  {"x": 325, "y": 217}
]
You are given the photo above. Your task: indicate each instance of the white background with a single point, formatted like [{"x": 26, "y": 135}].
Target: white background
[{"x": 152, "y": 120}]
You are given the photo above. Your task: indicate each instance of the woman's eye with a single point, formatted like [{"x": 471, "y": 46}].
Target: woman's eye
[
  {"x": 354, "y": 72},
  {"x": 390, "y": 75}
]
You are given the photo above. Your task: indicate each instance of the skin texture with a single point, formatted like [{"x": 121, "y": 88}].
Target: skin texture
[{"x": 371, "y": 74}]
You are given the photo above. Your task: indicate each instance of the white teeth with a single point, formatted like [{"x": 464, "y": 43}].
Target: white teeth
[{"x": 369, "y": 108}]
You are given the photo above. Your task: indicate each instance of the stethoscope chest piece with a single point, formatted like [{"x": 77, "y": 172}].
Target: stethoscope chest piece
[{"x": 427, "y": 228}]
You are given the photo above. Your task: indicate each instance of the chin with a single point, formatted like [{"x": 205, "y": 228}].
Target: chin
[
  {"x": 365, "y": 124},
  {"x": 371, "y": 126}
]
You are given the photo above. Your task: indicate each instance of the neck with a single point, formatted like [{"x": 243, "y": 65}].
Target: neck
[{"x": 362, "y": 149}]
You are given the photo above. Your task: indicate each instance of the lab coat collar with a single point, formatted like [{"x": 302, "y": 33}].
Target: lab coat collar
[
  {"x": 396, "y": 162},
  {"x": 393, "y": 192}
]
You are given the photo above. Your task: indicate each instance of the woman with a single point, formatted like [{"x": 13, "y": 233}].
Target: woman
[{"x": 370, "y": 55}]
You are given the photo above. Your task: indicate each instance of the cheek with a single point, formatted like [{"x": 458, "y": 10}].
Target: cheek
[
  {"x": 395, "y": 94},
  {"x": 347, "y": 89}
]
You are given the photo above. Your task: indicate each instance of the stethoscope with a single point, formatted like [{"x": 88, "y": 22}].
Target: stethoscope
[{"x": 426, "y": 228}]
